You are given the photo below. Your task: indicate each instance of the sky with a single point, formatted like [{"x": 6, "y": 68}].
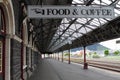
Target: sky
[{"x": 111, "y": 44}]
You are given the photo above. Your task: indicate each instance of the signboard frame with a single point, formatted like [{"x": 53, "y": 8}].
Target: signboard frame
[{"x": 70, "y": 12}]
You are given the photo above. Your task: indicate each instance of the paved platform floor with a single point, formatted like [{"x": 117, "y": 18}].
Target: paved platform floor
[{"x": 50, "y": 69}]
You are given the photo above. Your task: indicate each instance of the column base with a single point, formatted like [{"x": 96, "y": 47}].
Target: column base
[{"x": 85, "y": 65}]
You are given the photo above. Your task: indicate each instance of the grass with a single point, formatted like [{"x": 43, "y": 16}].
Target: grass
[
  {"x": 108, "y": 58},
  {"x": 113, "y": 57}
]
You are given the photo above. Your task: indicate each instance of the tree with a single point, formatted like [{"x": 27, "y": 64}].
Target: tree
[
  {"x": 106, "y": 52},
  {"x": 116, "y": 53},
  {"x": 95, "y": 55},
  {"x": 90, "y": 54},
  {"x": 66, "y": 54}
]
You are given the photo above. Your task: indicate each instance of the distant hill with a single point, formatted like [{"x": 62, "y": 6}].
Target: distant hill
[{"x": 95, "y": 47}]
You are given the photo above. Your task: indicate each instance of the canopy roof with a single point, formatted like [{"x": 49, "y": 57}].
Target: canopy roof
[
  {"x": 54, "y": 35},
  {"x": 71, "y": 31}
]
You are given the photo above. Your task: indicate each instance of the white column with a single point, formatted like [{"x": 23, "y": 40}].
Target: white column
[{"x": 7, "y": 59}]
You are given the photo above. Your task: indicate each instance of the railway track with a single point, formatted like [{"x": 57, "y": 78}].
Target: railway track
[{"x": 108, "y": 65}]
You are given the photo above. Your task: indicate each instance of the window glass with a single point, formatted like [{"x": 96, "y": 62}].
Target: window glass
[{"x": 2, "y": 24}]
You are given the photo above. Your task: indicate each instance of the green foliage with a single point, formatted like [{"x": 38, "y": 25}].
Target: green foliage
[
  {"x": 106, "y": 52},
  {"x": 95, "y": 55},
  {"x": 90, "y": 54},
  {"x": 66, "y": 54},
  {"x": 78, "y": 55},
  {"x": 116, "y": 53}
]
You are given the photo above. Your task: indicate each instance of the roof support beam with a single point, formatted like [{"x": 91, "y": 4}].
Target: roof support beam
[
  {"x": 63, "y": 32},
  {"x": 55, "y": 46}
]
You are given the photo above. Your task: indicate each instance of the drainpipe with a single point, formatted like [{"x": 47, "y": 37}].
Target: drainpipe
[{"x": 22, "y": 54}]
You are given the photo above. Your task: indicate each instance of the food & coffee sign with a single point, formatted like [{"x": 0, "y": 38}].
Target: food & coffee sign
[{"x": 70, "y": 12}]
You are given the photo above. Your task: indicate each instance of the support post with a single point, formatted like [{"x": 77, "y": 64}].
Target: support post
[
  {"x": 54, "y": 56},
  {"x": 51, "y": 55},
  {"x": 44, "y": 55},
  {"x": 62, "y": 56},
  {"x": 58, "y": 56},
  {"x": 85, "y": 63},
  {"x": 48, "y": 55},
  {"x": 69, "y": 56}
]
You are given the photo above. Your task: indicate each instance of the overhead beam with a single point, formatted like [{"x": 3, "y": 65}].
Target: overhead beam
[
  {"x": 63, "y": 32},
  {"x": 73, "y": 32},
  {"x": 107, "y": 31}
]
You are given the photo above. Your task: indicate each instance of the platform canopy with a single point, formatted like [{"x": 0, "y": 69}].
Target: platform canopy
[{"x": 54, "y": 35}]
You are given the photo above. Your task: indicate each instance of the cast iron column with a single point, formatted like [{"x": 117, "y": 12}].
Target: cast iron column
[
  {"x": 54, "y": 56},
  {"x": 85, "y": 63},
  {"x": 69, "y": 56},
  {"x": 58, "y": 56},
  {"x": 62, "y": 56}
]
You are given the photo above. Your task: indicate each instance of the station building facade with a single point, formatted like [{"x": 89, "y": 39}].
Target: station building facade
[{"x": 18, "y": 55}]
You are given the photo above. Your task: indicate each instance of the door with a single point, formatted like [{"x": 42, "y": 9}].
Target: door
[
  {"x": 1, "y": 60},
  {"x": 2, "y": 43}
]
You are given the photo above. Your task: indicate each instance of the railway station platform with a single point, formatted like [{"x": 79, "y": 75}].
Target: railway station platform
[{"x": 50, "y": 69}]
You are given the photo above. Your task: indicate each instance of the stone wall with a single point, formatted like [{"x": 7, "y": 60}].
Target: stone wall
[{"x": 15, "y": 60}]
